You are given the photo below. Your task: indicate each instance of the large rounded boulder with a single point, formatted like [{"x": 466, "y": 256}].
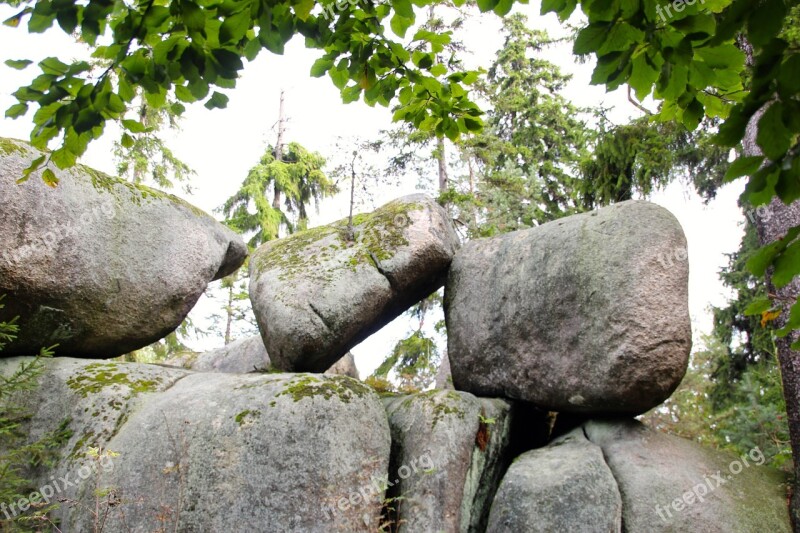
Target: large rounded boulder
[
  {"x": 585, "y": 314},
  {"x": 98, "y": 265},
  {"x": 319, "y": 292}
]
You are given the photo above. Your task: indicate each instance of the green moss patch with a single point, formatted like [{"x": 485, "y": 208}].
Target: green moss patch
[
  {"x": 12, "y": 146},
  {"x": 97, "y": 376},
  {"x": 243, "y": 417},
  {"x": 308, "y": 386},
  {"x": 441, "y": 404},
  {"x": 376, "y": 236}
]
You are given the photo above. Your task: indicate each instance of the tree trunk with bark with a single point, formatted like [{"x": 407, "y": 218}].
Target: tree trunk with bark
[{"x": 772, "y": 226}]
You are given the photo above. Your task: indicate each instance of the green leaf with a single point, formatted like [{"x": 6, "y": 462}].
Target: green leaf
[
  {"x": 486, "y": 5},
  {"x": 126, "y": 140},
  {"x": 621, "y": 36},
  {"x": 49, "y": 178},
  {"x": 133, "y": 126},
  {"x": 217, "y": 100},
  {"x": 339, "y": 77},
  {"x": 744, "y": 166},
  {"x": 765, "y": 21},
  {"x": 590, "y": 39},
  {"x": 643, "y": 76},
  {"x": 773, "y": 136},
  {"x": 16, "y": 110},
  {"x": 503, "y": 7},
  {"x": 193, "y": 17},
  {"x": 403, "y": 8},
  {"x": 53, "y": 65},
  {"x": 33, "y": 167},
  {"x": 758, "y": 306},
  {"x": 400, "y": 25},
  {"x": 321, "y": 66},
  {"x": 18, "y": 64},
  {"x": 787, "y": 265},
  {"x": 765, "y": 255},
  {"x": 235, "y": 26},
  {"x": 351, "y": 94}
]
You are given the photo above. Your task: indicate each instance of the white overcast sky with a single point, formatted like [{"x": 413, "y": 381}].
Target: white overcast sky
[{"x": 222, "y": 145}]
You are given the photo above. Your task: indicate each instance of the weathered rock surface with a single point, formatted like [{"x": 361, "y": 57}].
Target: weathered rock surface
[
  {"x": 318, "y": 293},
  {"x": 444, "y": 378},
  {"x": 448, "y": 453},
  {"x": 671, "y": 484},
  {"x": 211, "y": 451},
  {"x": 247, "y": 355},
  {"x": 97, "y": 265},
  {"x": 565, "y": 486},
  {"x": 585, "y": 314}
]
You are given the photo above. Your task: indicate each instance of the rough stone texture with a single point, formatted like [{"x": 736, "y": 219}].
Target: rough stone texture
[
  {"x": 452, "y": 448},
  {"x": 346, "y": 366},
  {"x": 317, "y": 293},
  {"x": 653, "y": 470},
  {"x": 91, "y": 400},
  {"x": 565, "y": 486},
  {"x": 444, "y": 378},
  {"x": 585, "y": 314},
  {"x": 214, "y": 452},
  {"x": 97, "y": 265},
  {"x": 247, "y": 355}
]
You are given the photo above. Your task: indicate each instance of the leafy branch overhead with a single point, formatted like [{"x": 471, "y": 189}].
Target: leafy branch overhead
[{"x": 191, "y": 50}]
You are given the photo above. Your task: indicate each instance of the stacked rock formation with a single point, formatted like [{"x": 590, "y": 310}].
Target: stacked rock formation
[{"x": 557, "y": 336}]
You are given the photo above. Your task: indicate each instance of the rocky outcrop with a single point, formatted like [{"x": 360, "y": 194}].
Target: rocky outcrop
[
  {"x": 98, "y": 265},
  {"x": 209, "y": 451},
  {"x": 319, "y": 292},
  {"x": 448, "y": 453},
  {"x": 565, "y": 486},
  {"x": 246, "y": 355},
  {"x": 586, "y": 314},
  {"x": 672, "y": 484}
]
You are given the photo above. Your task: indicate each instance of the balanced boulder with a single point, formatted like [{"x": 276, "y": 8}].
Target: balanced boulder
[
  {"x": 98, "y": 265},
  {"x": 585, "y": 314},
  {"x": 319, "y": 292}
]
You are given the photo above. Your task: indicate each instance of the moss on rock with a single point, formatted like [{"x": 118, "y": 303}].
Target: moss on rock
[
  {"x": 376, "y": 236},
  {"x": 341, "y": 387},
  {"x": 97, "y": 376}
]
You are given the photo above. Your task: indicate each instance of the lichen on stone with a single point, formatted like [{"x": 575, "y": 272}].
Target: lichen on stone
[
  {"x": 441, "y": 404},
  {"x": 307, "y": 386},
  {"x": 376, "y": 236},
  {"x": 95, "y": 377},
  {"x": 242, "y": 417}
]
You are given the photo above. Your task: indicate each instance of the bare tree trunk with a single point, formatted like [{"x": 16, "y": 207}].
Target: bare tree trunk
[
  {"x": 773, "y": 225},
  {"x": 276, "y": 200}
]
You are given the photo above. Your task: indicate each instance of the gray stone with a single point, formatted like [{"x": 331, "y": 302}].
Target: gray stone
[
  {"x": 98, "y": 265},
  {"x": 586, "y": 314},
  {"x": 444, "y": 378},
  {"x": 565, "y": 486},
  {"x": 319, "y": 292},
  {"x": 448, "y": 453},
  {"x": 247, "y": 355},
  {"x": 669, "y": 484},
  {"x": 211, "y": 451}
]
